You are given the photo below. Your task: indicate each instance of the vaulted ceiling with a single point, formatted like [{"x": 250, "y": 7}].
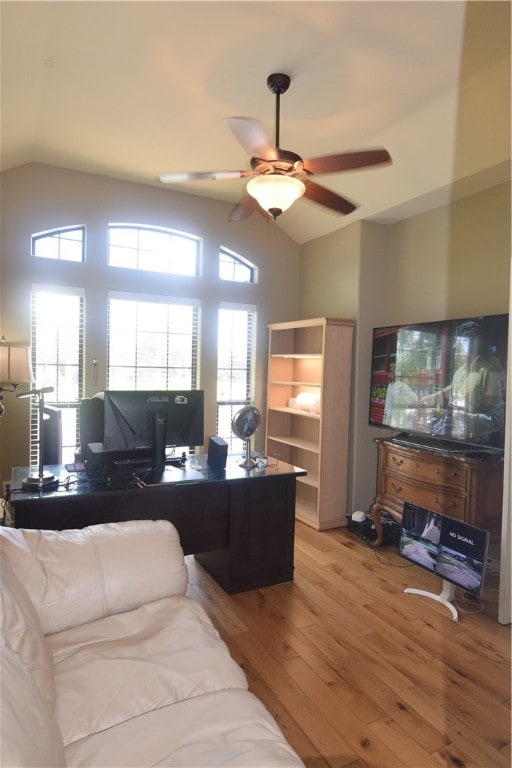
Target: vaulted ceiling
[{"x": 130, "y": 89}]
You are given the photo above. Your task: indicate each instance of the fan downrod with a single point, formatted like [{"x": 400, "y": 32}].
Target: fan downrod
[{"x": 278, "y": 83}]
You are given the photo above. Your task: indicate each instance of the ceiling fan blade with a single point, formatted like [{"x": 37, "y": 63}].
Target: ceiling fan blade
[
  {"x": 253, "y": 137},
  {"x": 347, "y": 161},
  {"x": 330, "y": 199},
  {"x": 244, "y": 208},
  {"x": 177, "y": 178}
]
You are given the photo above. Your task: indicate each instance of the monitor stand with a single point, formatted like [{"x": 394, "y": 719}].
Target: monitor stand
[
  {"x": 159, "y": 435},
  {"x": 445, "y": 596}
]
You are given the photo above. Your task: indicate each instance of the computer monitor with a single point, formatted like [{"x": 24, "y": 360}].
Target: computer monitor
[
  {"x": 153, "y": 420},
  {"x": 450, "y": 548}
]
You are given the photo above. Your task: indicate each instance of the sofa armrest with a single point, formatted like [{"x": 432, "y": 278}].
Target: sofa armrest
[{"x": 80, "y": 575}]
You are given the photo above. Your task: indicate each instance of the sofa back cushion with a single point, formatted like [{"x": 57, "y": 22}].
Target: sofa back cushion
[
  {"x": 80, "y": 575},
  {"x": 22, "y": 631}
]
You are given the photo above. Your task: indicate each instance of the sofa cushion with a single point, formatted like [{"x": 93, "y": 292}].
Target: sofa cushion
[
  {"x": 228, "y": 729},
  {"x": 125, "y": 665},
  {"x": 28, "y": 730},
  {"x": 77, "y": 576},
  {"x": 23, "y": 633}
]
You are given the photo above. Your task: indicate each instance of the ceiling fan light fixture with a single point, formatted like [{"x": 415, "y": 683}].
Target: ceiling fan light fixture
[{"x": 275, "y": 192}]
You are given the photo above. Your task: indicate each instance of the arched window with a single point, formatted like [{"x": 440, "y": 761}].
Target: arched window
[
  {"x": 233, "y": 267},
  {"x": 153, "y": 249},
  {"x": 66, "y": 244}
]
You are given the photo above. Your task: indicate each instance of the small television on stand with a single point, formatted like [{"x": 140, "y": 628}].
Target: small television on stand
[
  {"x": 441, "y": 384},
  {"x": 453, "y": 550}
]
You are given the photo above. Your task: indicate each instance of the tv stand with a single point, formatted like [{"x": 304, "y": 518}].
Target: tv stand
[
  {"x": 445, "y": 596},
  {"x": 466, "y": 487}
]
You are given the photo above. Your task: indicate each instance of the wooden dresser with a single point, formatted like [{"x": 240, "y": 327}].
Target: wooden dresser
[{"x": 468, "y": 487}]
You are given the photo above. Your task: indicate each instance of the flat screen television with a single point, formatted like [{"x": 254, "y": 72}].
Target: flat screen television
[
  {"x": 442, "y": 382},
  {"x": 450, "y": 548},
  {"x": 150, "y": 421}
]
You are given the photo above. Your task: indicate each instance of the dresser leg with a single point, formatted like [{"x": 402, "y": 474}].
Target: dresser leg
[{"x": 375, "y": 516}]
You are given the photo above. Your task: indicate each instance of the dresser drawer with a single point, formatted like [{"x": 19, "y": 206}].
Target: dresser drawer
[
  {"x": 428, "y": 469},
  {"x": 436, "y": 499}
]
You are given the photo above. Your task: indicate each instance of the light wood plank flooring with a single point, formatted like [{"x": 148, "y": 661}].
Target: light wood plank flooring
[{"x": 356, "y": 672}]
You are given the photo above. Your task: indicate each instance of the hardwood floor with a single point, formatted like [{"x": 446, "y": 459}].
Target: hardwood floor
[{"x": 359, "y": 674}]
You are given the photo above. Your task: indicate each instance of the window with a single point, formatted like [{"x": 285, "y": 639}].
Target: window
[
  {"x": 152, "y": 342},
  {"x": 152, "y": 249},
  {"x": 235, "y": 268},
  {"x": 235, "y": 367},
  {"x": 57, "y": 360},
  {"x": 64, "y": 244}
]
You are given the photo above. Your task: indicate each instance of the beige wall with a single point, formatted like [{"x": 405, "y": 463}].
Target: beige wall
[
  {"x": 335, "y": 254},
  {"x": 449, "y": 262},
  {"x": 37, "y": 197}
]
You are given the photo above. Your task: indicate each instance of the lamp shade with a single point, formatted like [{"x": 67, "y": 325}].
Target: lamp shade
[
  {"x": 275, "y": 192},
  {"x": 15, "y": 364}
]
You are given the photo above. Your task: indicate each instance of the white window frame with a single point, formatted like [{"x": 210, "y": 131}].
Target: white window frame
[
  {"x": 237, "y": 261},
  {"x": 194, "y": 304},
  {"x": 59, "y": 235},
  {"x": 234, "y": 404},
  {"x": 71, "y": 427},
  {"x": 148, "y": 255}
]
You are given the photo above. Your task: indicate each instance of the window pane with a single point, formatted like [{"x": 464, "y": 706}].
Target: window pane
[
  {"x": 152, "y": 316},
  {"x": 65, "y": 244},
  {"x": 57, "y": 352},
  {"x": 123, "y": 315},
  {"x": 153, "y": 249},
  {"x": 122, "y": 349},
  {"x": 181, "y": 351},
  {"x": 159, "y": 351},
  {"x": 225, "y": 415},
  {"x": 235, "y": 369},
  {"x": 122, "y": 257},
  {"x": 126, "y": 237},
  {"x": 235, "y": 268},
  {"x": 122, "y": 378}
]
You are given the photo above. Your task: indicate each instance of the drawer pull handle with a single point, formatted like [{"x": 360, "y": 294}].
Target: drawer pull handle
[
  {"x": 447, "y": 506},
  {"x": 396, "y": 488},
  {"x": 397, "y": 462},
  {"x": 446, "y": 475}
]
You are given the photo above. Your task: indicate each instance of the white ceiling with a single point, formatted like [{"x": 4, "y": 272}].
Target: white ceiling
[{"x": 130, "y": 89}]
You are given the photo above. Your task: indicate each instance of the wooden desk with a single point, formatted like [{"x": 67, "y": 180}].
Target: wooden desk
[{"x": 239, "y": 524}]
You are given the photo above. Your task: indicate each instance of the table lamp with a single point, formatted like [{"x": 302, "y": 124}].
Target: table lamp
[
  {"x": 15, "y": 368},
  {"x": 39, "y": 480}
]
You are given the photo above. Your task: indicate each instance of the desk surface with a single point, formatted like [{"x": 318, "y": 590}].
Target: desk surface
[{"x": 195, "y": 471}]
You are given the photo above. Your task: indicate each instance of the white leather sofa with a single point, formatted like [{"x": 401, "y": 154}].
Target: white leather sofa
[{"x": 106, "y": 662}]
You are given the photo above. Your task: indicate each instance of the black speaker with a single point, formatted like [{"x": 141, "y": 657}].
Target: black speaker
[
  {"x": 217, "y": 453},
  {"x": 91, "y": 423}
]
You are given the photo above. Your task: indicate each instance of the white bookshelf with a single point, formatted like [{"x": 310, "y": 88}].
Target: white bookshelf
[{"x": 310, "y": 362}]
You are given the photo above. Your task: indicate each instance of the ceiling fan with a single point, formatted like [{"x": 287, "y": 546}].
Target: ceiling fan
[{"x": 278, "y": 177}]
